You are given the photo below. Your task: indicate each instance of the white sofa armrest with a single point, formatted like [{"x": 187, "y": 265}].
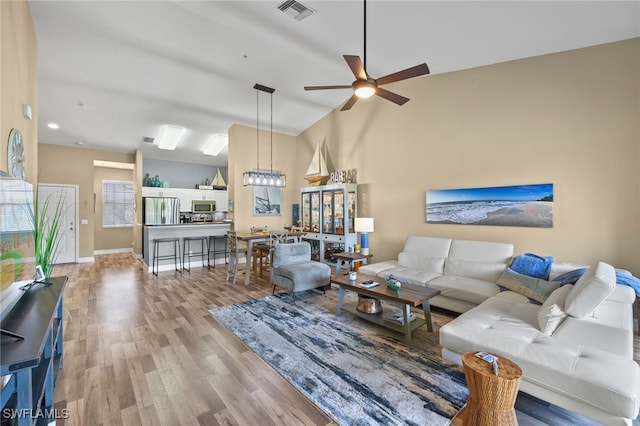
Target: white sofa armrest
[{"x": 622, "y": 294}]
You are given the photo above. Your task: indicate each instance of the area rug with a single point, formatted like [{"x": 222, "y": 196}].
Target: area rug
[{"x": 359, "y": 373}]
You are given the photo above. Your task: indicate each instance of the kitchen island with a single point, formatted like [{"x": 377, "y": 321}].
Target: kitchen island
[{"x": 151, "y": 232}]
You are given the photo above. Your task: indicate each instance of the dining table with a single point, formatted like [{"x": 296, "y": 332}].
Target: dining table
[{"x": 257, "y": 237}]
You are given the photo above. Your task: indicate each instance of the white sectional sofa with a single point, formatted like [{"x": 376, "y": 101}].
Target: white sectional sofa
[{"x": 575, "y": 349}]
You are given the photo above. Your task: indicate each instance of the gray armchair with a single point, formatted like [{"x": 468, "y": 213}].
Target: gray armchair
[{"x": 293, "y": 269}]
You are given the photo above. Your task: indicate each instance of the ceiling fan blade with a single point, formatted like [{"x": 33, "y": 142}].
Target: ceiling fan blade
[
  {"x": 352, "y": 100},
  {"x": 348, "y": 86},
  {"x": 416, "y": 71},
  {"x": 356, "y": 66},
  {"x": 390, "y": 96}
]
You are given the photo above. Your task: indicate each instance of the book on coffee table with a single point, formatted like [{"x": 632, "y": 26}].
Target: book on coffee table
[{"x": 396, "y": 316}]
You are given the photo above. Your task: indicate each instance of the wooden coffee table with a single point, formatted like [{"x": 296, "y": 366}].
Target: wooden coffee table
[{"x": 410, "y": 295}]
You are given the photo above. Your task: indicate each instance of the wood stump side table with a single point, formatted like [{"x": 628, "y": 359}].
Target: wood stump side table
[{"x": 491, "y": 398}]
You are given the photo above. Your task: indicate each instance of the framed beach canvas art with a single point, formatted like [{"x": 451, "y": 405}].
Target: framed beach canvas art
[
  {"x": 267, "y": 201},
  {"x": 519, "y": 205}
]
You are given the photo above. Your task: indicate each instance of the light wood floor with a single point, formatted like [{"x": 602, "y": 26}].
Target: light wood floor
[{"x": 144, "y": 350}]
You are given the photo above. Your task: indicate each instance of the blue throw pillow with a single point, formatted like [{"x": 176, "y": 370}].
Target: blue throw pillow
[{"x": 532, "y": 265}]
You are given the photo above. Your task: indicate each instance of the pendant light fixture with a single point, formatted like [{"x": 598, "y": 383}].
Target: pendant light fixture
[{"x": 258, "y": 177}]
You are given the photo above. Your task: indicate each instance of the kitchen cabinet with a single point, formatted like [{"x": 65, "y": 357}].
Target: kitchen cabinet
[
  {"x": 186, "y": 195},
  {"x": 328, "y": 216}
]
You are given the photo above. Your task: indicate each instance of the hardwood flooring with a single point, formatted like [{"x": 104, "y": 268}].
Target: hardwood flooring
[{"x": 144, "y": 350}]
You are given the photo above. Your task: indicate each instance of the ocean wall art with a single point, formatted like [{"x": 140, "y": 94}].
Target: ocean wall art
[{"x": 518, "y": 205}]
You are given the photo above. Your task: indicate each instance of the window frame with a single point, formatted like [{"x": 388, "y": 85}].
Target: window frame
[{"x": 129, "y": 190}]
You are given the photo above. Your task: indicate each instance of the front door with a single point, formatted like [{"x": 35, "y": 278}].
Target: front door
[{"x": 68, "y": 234}]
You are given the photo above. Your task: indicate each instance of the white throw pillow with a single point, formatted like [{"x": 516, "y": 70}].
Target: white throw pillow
[
  {"x": 590, "y": 290},
  {"x": 551, "y": 313}
]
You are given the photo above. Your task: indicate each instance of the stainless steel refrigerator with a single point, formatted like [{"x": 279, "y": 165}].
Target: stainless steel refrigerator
[{"x": 161, "y": 210}]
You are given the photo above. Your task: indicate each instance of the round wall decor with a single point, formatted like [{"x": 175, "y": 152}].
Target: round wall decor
[{"x": 15, "y": 154}]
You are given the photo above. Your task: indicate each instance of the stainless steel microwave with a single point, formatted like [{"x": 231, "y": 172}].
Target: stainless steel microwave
[{"x": 203, "y": 206}]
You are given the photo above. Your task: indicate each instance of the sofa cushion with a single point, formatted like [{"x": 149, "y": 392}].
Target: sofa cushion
[
  {"x": 429, "y": 246},
  {"x": 378, "y": 268},
  {"x": 478, "y": 259},
  {"x": 291, "y": 253},
  {"x": 421, "y": 262},
  {"x": 552, "y": 313},
  {"x": 536, "y": 289},
  {"x": 463, "y": 288},
  {"x": 410, "y": 275},
  {"x": 487, "y": 271},
  {"x": 590, "y": 290},
  {"x": 308, "y": 271}
]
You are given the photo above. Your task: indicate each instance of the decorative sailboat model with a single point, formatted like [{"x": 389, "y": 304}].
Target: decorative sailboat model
[
  {"x": 218, "y": 181},
  {"x": 317, "y": 169}
]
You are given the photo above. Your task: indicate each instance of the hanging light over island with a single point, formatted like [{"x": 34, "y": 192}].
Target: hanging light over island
[{"x": 258, "y": 177}]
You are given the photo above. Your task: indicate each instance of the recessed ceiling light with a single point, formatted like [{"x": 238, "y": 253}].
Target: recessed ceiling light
[
  {"x": 217, "y": 144},
  {"x": 53, "y": 126},
  {"x": 170, "y": 137},
  {"x": 79, "y": 143}
]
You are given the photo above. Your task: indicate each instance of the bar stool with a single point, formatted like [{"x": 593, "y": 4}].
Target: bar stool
[
  {"x": 217, "y": 245},
  {"x": 155, "y": 264},
  {"x": 186, "y": 251}
]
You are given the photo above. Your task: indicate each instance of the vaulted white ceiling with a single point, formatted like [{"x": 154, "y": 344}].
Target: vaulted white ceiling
[{"x": 113, "y": 72}]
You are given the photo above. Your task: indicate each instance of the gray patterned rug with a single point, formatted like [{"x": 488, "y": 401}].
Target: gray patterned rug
[{"x": 357, "y": 372}]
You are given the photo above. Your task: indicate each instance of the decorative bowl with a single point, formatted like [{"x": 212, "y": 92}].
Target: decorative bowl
[{"x": 393, "y": 283}]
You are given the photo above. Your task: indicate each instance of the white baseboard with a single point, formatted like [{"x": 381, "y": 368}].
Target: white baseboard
[
  {"x": 86, "y": 259},
  {"x": 113, "y": 251}
]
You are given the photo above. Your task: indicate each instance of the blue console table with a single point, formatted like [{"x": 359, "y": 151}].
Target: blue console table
[{"x": 30, "y": 366}]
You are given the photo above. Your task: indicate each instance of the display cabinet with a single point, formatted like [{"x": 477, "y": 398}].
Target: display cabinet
[{"x": 328, "y": 215}]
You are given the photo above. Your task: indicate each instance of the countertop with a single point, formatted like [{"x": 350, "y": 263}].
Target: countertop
[{"x": 198, "y": 224}]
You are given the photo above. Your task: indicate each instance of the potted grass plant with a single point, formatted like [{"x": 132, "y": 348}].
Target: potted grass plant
[{"x": 46, "y": 217}]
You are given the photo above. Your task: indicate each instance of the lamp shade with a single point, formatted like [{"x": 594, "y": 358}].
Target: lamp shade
[{"x": 364, "y": 224}]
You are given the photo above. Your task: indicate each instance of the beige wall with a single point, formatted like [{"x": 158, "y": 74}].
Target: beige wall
[
  {"x": 570, "y": 119},
  {"x": 66, "y": 165},
  {"x": 242, "y": 155},
  {"x": 18, "y": 82},
  {"x": 109, "y": 238}
]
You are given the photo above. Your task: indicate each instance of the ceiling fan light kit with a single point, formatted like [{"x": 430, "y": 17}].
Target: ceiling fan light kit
[
  {"x": 365, "y": 86},
  {"x": 257, "y": 177},
  {"x": 364, "y": 89}
]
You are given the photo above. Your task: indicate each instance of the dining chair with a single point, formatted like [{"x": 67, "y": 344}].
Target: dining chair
[
  {"x": 293, "y": 238},
  {"x": 258, "y": 254},
  {"x": 235, "y": 253},
  {"x": 266, "y": 249}
]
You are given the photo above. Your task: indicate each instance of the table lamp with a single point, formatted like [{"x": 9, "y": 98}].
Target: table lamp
[{"x": 364, "y": 225}]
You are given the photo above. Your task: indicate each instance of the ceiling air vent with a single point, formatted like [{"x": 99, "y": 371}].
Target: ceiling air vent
[
  {"x": 296, "y": 9},
  {"x": 147, "y": 139}
]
